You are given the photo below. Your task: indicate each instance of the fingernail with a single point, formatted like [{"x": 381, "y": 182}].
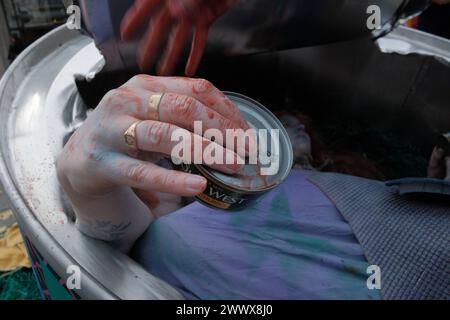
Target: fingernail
[{"x": 195, "y": 183}]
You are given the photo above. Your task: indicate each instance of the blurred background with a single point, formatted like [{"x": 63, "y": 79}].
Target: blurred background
[{"x": 24, "y": 21}]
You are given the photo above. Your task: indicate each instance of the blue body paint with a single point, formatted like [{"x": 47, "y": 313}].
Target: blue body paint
[{"x": 291, "y": 244}]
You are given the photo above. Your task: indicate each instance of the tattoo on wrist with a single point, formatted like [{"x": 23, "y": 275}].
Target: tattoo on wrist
[{"x": 105, "y": 229}]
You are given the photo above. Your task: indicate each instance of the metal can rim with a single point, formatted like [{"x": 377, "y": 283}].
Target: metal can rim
[{"x": 287, "y": 168}]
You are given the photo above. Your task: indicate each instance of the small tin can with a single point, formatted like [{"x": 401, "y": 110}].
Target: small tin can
[{"x": 236, "y": 192}]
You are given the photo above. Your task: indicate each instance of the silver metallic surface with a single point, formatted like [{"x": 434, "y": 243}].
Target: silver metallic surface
[
  {"x": 256, "y": 26},
  {"x": 39, "y": 107},
  {"x": 407, "y": 41}
]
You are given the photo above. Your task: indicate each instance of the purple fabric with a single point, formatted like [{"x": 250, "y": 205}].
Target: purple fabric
[{"x": 291, "y": 244}]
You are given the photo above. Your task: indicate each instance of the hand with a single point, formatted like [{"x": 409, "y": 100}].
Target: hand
[
  {"x": 439, "y": 165},
  {"x": 98, "y": 170},
  {"x": 177, "y": 17}
]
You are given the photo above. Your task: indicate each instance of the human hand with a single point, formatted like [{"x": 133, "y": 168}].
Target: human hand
[
  {"x": 177, "y": 18},
  {"x": 96, "y": 162}
]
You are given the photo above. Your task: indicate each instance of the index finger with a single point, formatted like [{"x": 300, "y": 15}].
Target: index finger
[{"x": 197, "y": 49}]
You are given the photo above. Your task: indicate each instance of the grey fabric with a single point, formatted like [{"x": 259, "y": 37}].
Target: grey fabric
[{"x": 408, "y": 239}]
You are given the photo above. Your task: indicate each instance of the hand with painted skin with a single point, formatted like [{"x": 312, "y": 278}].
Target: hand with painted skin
[
  {"x": 439, "y": 165},
  {"x": 177, "y": 18},
  {"x": 110, "y": 183}
]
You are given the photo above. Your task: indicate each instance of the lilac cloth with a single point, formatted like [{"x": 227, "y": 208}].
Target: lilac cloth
[{"x": 291, "y": 244}]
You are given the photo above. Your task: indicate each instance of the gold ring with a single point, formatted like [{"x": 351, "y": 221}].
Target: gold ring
[
  {"x": 153, "y": 106},
  {"x": 130, "y": 135}
]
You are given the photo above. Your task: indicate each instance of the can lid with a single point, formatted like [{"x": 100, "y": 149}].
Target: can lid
[{"x": 275, "y": 156}]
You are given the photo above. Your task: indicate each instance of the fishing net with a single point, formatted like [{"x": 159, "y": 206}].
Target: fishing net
[
  {"x": 19, "y": 285},
  {"x": 17, "y": 281}
]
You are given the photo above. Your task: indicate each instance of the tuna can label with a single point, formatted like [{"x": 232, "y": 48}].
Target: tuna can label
[{"x": 217, "y": 196}]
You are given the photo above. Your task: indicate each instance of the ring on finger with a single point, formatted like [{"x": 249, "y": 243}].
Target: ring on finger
[
  {"x": 153, "y": 106},
  {"x": 130, "y": 135}
]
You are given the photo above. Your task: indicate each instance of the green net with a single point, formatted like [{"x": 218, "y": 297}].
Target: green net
[{"x": 19, "y": 285}]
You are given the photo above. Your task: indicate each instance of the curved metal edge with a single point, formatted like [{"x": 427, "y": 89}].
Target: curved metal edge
[
  {"x": 45, "y": 243},
  {"x": 27, "y": 220},
  {"x": 405, "y": 41}
]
